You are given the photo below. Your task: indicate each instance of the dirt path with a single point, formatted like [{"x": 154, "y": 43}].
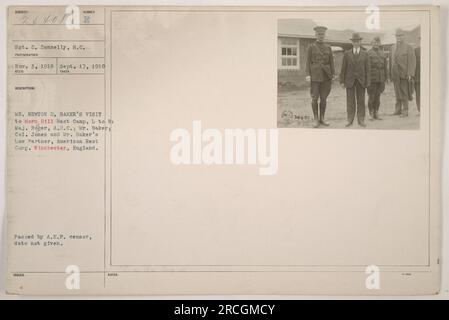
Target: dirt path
[{"x": 294, "y": 111}]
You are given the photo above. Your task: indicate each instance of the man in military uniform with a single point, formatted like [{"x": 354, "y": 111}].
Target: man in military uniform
[
  {"x": 403, "y": 64},
  {"x": 378, "y": 64},
  {"x": 418, "y": 75},
  {"x": 320, "y": 72},
  {"x": 355, "y": 76}
]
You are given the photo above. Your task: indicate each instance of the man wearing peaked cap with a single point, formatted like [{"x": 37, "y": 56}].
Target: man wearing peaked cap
[
  {"x": 320, "y": 29},
  {"x": 378, "y": 64},
  {"x": 355, "y": 77},
  {"x": 403, "y": 64},
  {"x": 320, "y": 72}
]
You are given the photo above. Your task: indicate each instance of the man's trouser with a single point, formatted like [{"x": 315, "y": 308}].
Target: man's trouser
[
  {"x": 418, "y": 95},
  {"x": 355, "y": 96},
  {"x": 374, "y": 92},
  {"x": 401, "y": 92},
  {"x": 319, "y": 90}
]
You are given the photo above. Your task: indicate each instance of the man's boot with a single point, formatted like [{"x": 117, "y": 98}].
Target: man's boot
[
  {"x": 315, "y": 113},
  {"x": 404, "y": 109},
  {"x": 376, "y": 115},
  {"x": 322, "y": 112},
  {"x": 397, "y": 111}
]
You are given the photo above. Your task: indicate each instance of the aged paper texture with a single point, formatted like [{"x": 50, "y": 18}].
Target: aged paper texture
[{"x": 223, "y": 150}]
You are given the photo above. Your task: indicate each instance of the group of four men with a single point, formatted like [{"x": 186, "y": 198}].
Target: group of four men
[{"x": 362, "y": 70}]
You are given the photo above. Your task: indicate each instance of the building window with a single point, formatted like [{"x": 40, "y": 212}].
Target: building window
[{"x": 289, "y": 54}]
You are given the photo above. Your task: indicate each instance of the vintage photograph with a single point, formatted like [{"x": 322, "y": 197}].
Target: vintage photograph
[
  {"x": 142, "y": 158},
  {"x": 339, "y": 74}
]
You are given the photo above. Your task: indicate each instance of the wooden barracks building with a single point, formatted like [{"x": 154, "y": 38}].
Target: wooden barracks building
[{"x": 294, "y": 36}]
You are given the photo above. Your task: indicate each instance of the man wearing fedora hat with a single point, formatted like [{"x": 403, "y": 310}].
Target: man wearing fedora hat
[
  {"x": 355, "y": 77},
  {"x": 403, "y": 64},
  {"x": 320, "y": 72},
  {"x": 378, "y": 64}
]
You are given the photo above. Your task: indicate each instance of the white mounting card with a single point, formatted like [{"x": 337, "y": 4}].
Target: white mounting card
[{"x": 223, "y": 150}]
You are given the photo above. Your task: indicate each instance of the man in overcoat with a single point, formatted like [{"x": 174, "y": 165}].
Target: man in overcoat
[
  {"x": 403, "y": 65},
  {"x": 418, "y": 76}
]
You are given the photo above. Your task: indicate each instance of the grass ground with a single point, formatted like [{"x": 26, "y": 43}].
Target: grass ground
[{"x": 294, "y": 110}]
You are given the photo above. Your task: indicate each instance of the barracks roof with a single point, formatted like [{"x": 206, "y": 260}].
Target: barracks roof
[{"x": 303, "y": 28}]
